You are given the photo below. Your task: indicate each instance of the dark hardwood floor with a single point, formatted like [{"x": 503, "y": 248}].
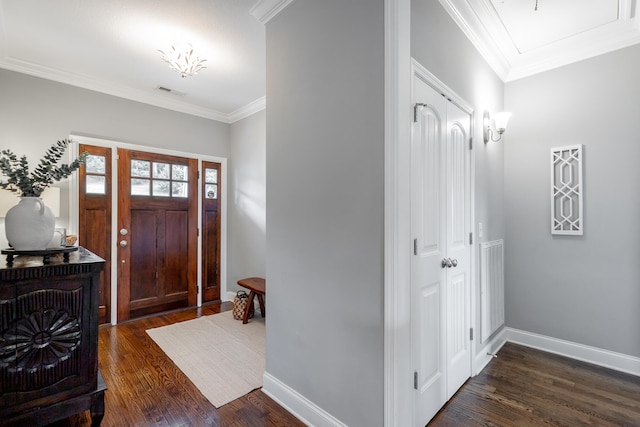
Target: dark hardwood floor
[
  {"x": 528, "y": 387},
  {"x": 147, "y": 389},
  {"x": 522, "y": 387}
]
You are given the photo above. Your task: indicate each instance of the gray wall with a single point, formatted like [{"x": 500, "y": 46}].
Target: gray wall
[
  {"x": 440, "y": 46},
  {"x": 325, "y": 181},
  {"x": 247, "y": 199},
  {"x": 34, "y": 113},
  {"x": 586, "y": 288}
]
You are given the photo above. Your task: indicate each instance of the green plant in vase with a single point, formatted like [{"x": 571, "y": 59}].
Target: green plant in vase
[{"x": 30, "y": 224}]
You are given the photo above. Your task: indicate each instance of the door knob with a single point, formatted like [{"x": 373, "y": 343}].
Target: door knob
[
  {"x": 446, "y": 263},
  {"x": 124, "y": 231},
  {"x": 454, "y": 262},
  {"x": 123, "y": 243}
]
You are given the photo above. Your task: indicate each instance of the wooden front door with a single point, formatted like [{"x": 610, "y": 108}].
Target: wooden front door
[
  {"x": 211, "y": 231},
  {"x": 157, "y": 233},
  {"x": 94, "y": 228}
]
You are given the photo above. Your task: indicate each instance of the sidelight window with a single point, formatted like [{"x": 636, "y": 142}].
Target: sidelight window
[
  {"x": 211, "y": 183},
  {"x": 95, "y": 174}
]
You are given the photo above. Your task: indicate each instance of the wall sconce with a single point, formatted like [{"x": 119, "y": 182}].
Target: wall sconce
[{"x": 500, "y": 120}]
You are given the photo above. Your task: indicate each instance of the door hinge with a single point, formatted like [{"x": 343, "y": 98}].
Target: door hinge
[
  {"x": 471, "y": 238},
  {"x": 197, "y": 289},
  {"x": 415, "y": 380},
  {"x": 415, "y": 246},
  {"x": 198, "y": 174},
  {"x": 471, "y": 334},
  {"x": 198, "y": 231},
  {"x": 415, "y": 111},
  {"x": 470, "y": 143}
]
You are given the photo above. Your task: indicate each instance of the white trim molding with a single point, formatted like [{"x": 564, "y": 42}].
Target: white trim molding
[
  {"x": 298, "y": 405},
  {"x": 597, "y": 356},
  {"x": 398, "y": 397},
  {"x": 248, "y": 110},
  {"x": 480, "y": 22},
  {"x": 149, "y": 97},
  {"x": 265, "y": 10},
  {"x": 490, "y": 348}
]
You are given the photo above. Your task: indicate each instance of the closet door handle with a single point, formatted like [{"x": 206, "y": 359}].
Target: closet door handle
[{"x": 446, "y": 263}]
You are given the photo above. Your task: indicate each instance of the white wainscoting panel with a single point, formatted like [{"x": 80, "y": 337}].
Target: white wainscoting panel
[{"x": 491, "y": 287}]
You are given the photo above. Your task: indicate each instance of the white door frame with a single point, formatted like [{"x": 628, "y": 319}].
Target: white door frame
[
  {"x": 398, "y": 380},
  {"x": 114, "y": 145}
]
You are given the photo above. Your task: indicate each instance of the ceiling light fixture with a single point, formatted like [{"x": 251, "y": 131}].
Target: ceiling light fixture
[
  {"x": 500, "y": 120},
  {"x": 184, "y": 60}
]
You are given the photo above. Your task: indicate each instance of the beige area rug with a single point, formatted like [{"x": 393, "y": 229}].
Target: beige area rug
[{"x": 220, "y": 355}]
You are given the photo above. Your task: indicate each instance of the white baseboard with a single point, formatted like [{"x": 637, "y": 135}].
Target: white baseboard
[
  {"x": 298, "y": 405},
  {"x": 312, "y": 415},
  {"x": 492, "y": 347},
  {"x": 608, "y": 359}
]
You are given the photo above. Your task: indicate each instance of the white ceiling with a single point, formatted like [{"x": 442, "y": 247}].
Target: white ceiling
[
  {"x": 517, "y": 40},
  {"x": 111, "y": 45}
]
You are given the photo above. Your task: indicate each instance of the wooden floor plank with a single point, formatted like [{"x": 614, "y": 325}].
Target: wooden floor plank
[
  {"x": 528, "y": 387},
  {"x": 523, "y": 387},
  {"x": 147, "y": 389}
]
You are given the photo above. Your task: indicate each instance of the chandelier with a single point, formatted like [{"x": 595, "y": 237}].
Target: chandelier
[{"x": 184, "y": 60}]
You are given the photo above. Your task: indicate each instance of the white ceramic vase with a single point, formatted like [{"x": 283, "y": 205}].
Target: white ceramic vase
[{"x": 29, "y": 225}]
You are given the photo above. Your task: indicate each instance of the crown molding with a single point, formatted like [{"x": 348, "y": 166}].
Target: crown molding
[
  {"x": 265, "y": 10},
  {"x": 479, "y": 22},
  {"x": 157, "y": 100},
  {"x": 248, "y": 110},
  {"x": 468, "y": 21},
  {"x": 85, "y": 82}
]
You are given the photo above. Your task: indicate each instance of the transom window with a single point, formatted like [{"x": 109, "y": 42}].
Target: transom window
[{"x": 159, "y": 179}]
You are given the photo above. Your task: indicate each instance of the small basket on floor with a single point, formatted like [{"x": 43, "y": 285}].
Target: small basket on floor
[{"x": 239, "y": 304}]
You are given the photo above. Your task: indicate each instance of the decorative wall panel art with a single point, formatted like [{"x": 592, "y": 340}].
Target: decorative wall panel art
[{"x": 567, "y": 216}]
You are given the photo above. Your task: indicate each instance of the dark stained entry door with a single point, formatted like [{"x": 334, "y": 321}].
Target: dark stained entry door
[
  {"x": 94, "y": 228},
  {"x": 157, "y": 233},
  {"x": 211, "y": 184}
]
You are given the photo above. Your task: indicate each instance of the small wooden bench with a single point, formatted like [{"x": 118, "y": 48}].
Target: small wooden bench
[{"x": 257, "y": 286}]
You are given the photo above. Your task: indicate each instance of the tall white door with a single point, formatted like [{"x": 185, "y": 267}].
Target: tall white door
[
  {"x": 428, "y": 227},
  {"x": 440, "y": 268},
  {"x": 458, "y": 260}
]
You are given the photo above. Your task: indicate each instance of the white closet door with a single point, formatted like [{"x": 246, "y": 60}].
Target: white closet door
[
  {"x": 428, "y": 219},
  {"x": 458, "y": 276},
  {"x": 441, "y": 264}
]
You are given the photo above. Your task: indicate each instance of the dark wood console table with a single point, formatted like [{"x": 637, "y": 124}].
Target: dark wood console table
[
  {"x": 45, "y": 253},
  {"x": 49, "y": 339}
]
